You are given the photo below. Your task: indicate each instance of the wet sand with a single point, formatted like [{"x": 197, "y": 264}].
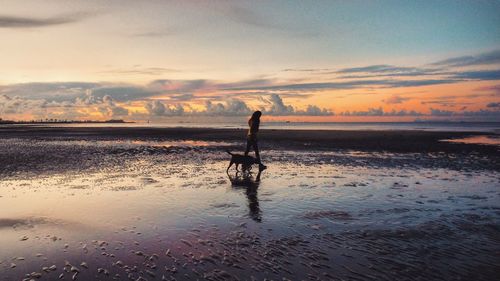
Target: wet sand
[
  {"x": 395, "y": 141},
  {"x": 157, "y": 204}
]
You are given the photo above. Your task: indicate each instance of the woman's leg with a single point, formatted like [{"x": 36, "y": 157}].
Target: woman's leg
[
  {"x": 249, "y": 145},
  {"x": 256, "y": 149},
  {"x": 257, "y": 156}
]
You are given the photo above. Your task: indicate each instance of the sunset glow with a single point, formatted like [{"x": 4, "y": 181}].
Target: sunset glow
[{"x": 331, "y": 61}]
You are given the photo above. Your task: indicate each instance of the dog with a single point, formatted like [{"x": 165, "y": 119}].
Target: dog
[{"x": 245, "y": 161}]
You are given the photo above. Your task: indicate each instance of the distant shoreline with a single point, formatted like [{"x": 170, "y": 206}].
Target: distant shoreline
[{"x": 112, "y": 121}]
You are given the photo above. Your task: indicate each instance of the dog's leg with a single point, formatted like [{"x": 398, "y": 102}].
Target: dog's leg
[
  {"x": 230, "y": 164},
  {"x": 237, "y": 166}
]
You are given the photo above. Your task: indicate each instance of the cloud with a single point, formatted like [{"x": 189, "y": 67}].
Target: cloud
[
  {"x": 17, "y": 105},
  {"x": 31, "y": 22},
  {"x": 493, "y": 105},
  {"x": 476, "y": 113},
  {"x": 253, "y": 94},
  {"x": 69, "y": 91},
  {"x": 488, "y": 58},
  {"x": 384, "y": 70},
  {"x": 481, "y": 113},
  {"x": 451, "y": 100},
  {"x": 56, "y": 91},
  {"x": 249, "y": 17},
  {"x": 176, "y": 90},
  {"x": 446, "y": 102},
  {"x": 437, "y": 68},
  {"x": 182, "y": 97},
  {"x": 203, "y": 85},
  {"x": 138, "y": 70},
  {"x": 395, "y": 75},
  {"x": 203, "y": 89},
  {"x": 279, "y": 108},
  {"x": 88, "y": 99},
  {"x": 313, "y": 86},
  {"x": 106, "y": 105},
  {"x": 380, "y": 68},
  {"x": 351, "y": 85},
  {"x": 157, "y": 108},
  {"x": 179, "y": 86},
  {"x": 124, "y": 92},
  {"x": 395, "y": 99},
  {"x": 313, "y": 110},
  {"x": 109, "y": 108},
  {"x": 233, "y": 107},
  {"x": 380, "y": 112},
  {"x": 236, "y": 97},
  {"x": 246, "y": 83},
  {"x": 107, "y": 95},
  {"x": 306, "y": 69},
  {"x": 479, "y": 75},
  {"x": 494, "y": 88},
  {"x": 417, "y": 83},
  {"x": 440, "y": 112},
  {"x": 39, "y": 108}
]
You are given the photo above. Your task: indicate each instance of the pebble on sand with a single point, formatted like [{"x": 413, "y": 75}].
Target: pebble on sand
[
  {"x": 74, "y": 269},
  {"x": 186, "y": 242}
]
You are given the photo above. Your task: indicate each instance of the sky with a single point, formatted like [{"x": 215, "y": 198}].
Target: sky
[{"x": 305, "y": 61}]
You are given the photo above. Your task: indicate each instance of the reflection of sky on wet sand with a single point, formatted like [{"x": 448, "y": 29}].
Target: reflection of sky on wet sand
[
  {"x": 181, "y": 143},
  {"x": 138, "y": 143},
  {"x": 149, "y": 207},
  {"x": 486, "y": 140}
]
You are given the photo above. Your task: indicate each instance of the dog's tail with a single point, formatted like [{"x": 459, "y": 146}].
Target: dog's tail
[{"x": 229, "y": 152}]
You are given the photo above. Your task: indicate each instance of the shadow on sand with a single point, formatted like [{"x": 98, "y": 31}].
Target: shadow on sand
[{"x": 245, "y": 180}]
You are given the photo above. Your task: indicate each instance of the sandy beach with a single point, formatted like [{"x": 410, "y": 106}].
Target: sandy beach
[{"x": 84, "y": 203}]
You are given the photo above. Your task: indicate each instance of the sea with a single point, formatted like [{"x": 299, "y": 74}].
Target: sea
[{"x": 486, "y": 127}]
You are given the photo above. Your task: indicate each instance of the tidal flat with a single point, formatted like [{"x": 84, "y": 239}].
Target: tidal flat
[{"x": 126, "y": 204}]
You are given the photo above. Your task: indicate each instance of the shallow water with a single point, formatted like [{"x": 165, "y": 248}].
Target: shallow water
[{"x": 311, "y": 215}]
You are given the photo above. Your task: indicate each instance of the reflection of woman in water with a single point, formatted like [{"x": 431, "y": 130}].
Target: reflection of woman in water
[
  {"x": 254, "y": 123},
  {"x": 251, "y": 186}
]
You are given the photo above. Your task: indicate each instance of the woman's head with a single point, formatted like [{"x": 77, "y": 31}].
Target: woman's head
[{"x": 256, "y": 115}]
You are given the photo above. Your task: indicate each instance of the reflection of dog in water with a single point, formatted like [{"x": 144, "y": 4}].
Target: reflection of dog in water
[
  {"x": 245, "y": 180},
  {"x": 245, "y": 161}
]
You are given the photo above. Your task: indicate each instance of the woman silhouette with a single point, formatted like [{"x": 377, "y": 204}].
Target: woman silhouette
[{"x": 253, "y": 124}]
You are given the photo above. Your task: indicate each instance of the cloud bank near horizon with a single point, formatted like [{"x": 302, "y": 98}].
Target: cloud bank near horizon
[{"x": 205, "y": 97}]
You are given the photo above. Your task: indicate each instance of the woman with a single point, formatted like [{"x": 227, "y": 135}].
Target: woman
[{"x": 253, "y": 124}]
